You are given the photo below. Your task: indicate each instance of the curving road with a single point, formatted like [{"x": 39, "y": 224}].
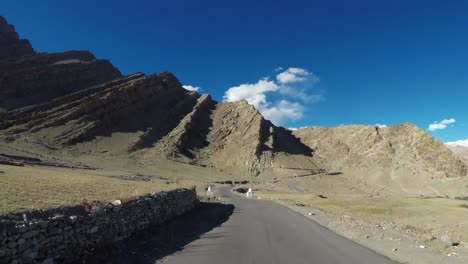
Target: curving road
[{"x": 265, "y": 232}]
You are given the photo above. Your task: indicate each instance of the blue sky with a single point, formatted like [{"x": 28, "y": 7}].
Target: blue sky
[{"x": 343, "y": 62}]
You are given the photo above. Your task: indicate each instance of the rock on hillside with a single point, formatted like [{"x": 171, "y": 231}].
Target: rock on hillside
[
  {"x": 404, "y": 148},
  {"x": 27, "y": 77}
]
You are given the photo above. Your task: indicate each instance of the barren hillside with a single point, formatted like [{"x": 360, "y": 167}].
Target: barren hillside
[
  {"x": 71, "y": 101},
  {"x": 460, "y": 151},
  {"x": 397, "y": 150}
]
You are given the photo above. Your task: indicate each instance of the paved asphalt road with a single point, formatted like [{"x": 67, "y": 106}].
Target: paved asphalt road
[{"x": 264, "y": 232}]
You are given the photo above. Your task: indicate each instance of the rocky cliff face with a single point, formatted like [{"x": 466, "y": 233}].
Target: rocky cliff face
[
  {"x": 240, "y": 136},
  {"x": 171, "y": 122},
  {"x": 28, "y": 78},
  {"x": 189, "y": 136},
  {"x": 66, "y": 99},
  {"x": 103, "y": 109},
  {"x": 405, "y": 148},
  {"x": 11, "y": 46},
  {"x": 226, "y": 135}
]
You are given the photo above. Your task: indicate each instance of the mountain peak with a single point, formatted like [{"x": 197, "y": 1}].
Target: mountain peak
[
  {"x": 28, "y": 77},
  {"x": 11, "y": 46},
  {"x": 461, "y": 143}
]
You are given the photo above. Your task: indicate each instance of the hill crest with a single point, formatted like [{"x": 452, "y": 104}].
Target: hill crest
[{"x": 397, "y": 149}]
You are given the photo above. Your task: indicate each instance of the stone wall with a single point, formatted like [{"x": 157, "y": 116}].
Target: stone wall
[{"x": 67, "y": 234}]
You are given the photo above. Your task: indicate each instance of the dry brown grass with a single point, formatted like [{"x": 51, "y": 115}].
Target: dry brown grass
[
  {"x": 425, "y": 214},
  {"x": 24, "y": 188}
]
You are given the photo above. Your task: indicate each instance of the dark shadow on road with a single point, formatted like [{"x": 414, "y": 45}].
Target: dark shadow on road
[{"x": 152, "y": 244}]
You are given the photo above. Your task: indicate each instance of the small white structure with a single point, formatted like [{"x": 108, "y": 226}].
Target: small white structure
[
  {"x": 249, "y": 193},
  {"x": 116, "y": 202},
  {"x": 209, "y": 192}
]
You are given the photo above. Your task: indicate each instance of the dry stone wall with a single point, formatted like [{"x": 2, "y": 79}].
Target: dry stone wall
[{"x": 67, "y": 234}]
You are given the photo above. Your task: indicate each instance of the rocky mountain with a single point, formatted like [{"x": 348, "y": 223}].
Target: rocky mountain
[
  {"x": 71, "y": 102},
  {"x": 172, "y": 122},
  {"x": 402, "y": 149},
  {"x": 103, "y": 109},
  {"x": 11, "y": 46},
  {"x": 27, "y": 77},
  {"x": 460, "y": 148},
  {"x": 66, "y": 99}
]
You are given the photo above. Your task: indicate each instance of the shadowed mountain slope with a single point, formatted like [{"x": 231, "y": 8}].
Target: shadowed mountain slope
[
  {"x": 27, "y": 77},
  {"x": 11, "y": 46},
  {"x": 65, "y": 100}
]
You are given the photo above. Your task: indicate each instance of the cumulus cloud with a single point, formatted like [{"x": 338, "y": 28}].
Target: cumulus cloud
[
  {"x": 441, "y": 125},
  {"x": 290, "y": 97},
  {"x": 462, "y": 143},
  {"x": 191, "y": 88},
  {"x": 282, "y": 111},
  {"x": 296, "y": 83},
  {"x": 292, "y": 75},
  {"x": 300, "y": 93},
  {"x": 254, "y": 93}
]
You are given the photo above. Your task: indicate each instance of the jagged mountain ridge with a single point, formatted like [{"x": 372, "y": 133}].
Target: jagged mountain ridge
[
  {"x": 173, "y": 122},
  {"x": 88, "y": 99},
  {"x": 396, "y": 149},
  {"x": 11, "y": 46},
  {"x": 64, "y": 100},
  {"x": 101, "y": 109},
  {"x": 27, "y": 77}
]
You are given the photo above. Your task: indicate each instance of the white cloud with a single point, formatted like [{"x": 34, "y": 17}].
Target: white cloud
[
  {"x": 290, "y": 96},
  {"x": 191, "y": 88},
  {"x": 254, "y": 93},
  {"x": 297, "y": 82},
  {"x": 442, "y": 124},
  {"x": 292, "y": 75},
  {"x": 282, "y": 111},
  {"x": 300, "y": 93},
  {"x": 462, "y": 143},
  {"x": 381, "y": 125}
]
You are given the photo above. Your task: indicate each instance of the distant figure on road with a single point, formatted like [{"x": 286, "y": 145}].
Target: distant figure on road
[{"x": 249, "y": 193}]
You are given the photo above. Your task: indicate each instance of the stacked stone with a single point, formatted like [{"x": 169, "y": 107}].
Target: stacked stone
[{"x": 67, "y": 234}]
